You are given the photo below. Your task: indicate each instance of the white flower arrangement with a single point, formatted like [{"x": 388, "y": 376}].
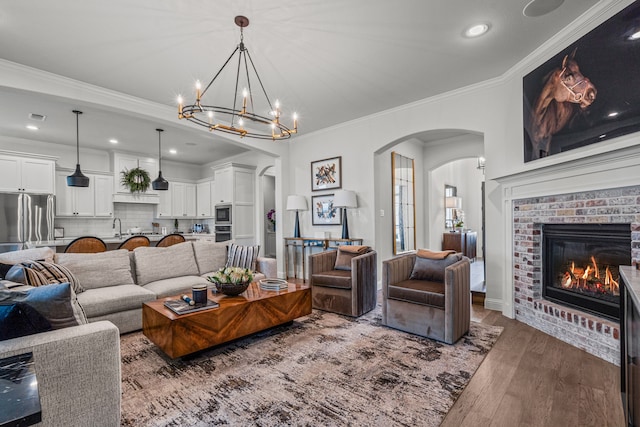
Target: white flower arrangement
[{"x": 232, "y": 275}]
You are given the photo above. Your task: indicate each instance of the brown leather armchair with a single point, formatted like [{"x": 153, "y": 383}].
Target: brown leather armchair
[
  {"x": 440, "y": 310},
  {"x": 351, "y": 290}
]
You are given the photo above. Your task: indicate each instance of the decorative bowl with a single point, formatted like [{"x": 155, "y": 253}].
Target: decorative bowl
[{"x": 232, "y": 289}]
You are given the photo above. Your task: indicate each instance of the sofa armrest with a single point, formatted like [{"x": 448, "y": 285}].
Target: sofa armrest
[
  {"x": 457, "y": 299},
  {"x": 322, "y": 261},
  {"x": 78, "y": 373},
  {"x": 267, "y": 266}
]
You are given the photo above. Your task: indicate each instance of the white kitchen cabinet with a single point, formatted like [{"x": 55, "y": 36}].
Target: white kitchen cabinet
[
  {"x": 203, "y": 199},
  {"x": 27, "y": 175},
  {"x": 164, "y": 206},
  {"x": 224, "y": 185},
  {"x": 74, "y": 201},
  {"x": 103, "y": 191},
  {"x": 122, "y": 162},
  {"x": 183, "y": 199}
]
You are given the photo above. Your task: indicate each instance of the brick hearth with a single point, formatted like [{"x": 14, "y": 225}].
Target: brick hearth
[{"x": 596, "y": 335}]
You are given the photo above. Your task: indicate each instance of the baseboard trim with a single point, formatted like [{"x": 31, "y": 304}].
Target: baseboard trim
[{"x": 493, "y": 304}]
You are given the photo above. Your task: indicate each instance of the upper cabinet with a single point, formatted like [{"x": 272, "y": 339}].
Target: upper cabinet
[
  {"x": 27, "y": 175},
  {"x": 92, "y": 201},
  {"x": 123, "y": 162},
  {"x": 223, "y": 185},
  {"x": 183, "y": 199},
  {"x": 203, "y": 199}
]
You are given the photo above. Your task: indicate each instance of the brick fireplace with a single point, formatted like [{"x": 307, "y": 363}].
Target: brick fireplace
[{"x": 596, "y": 335}]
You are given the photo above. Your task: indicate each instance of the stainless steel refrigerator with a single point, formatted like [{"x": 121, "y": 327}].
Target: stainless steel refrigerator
[{"x": 25, "y": 219}]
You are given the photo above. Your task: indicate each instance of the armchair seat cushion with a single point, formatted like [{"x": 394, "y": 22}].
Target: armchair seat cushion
[
  {"x": 332, "y": 279},
  {"x": 418, "y": 291}
]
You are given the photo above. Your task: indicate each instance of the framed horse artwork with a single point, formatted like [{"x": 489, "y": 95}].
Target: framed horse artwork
[{"x": 584, "y": 94}]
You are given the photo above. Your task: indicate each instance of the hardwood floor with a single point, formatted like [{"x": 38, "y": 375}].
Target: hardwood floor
[{"x": 532, "y": 379}]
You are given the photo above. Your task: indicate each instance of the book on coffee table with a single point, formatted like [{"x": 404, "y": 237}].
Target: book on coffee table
[{"x": 182, "y": 307}]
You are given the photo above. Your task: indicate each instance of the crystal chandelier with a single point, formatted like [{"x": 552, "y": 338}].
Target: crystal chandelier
[{"x": 239, "y": 120}]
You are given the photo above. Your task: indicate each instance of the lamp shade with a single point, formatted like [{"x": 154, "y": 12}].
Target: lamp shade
[
  {"x": 345, "y": 199},
  {"x": 296, "y": 203},
  {"x": 453, "y": 202}
]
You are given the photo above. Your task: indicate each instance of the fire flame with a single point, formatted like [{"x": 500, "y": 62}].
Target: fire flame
[{"x": 590, "y": 278}]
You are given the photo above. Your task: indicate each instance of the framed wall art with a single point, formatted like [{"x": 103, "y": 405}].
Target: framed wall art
[
  {"x": 584, "y": 94},
  {"x": 326, "y": 174},
  {"x": 323, "y": 212}
]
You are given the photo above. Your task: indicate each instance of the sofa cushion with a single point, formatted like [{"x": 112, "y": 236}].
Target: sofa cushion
[
  {"x": 56, "y": 302},
  {"x": 210, "y": 256},
  {"x": 332, "y": 279},
  {"x": 418, "y": 291},
  {"x": 174, "y": 286},
  {"x": 15, "y": 257},
  {"x": 99, "y": 270},
  {"x": 113, "y": 299},
  {"x": 433, "y": 269},
  {"x": 19, "y": 319},
  {"x": 154, "y": 263},
  {"x": 242, "y": 256}
]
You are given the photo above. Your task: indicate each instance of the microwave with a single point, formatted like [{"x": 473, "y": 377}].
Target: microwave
[{"x": 223, "y": 214}]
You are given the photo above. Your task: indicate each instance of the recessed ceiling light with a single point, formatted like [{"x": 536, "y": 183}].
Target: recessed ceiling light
[
  {"x": 476, "y": 30},
  {"x": 602, "y": 136},
  {"x": 38, "y": 117},
  {"x": 613, "y": 114},
  {"x": 634, "y": 36},
  {"x": 173, "y": 151},
  {"x": 537, "y": 8},
  {"x": 32, "y": 127},
  {"x": 190, "y": 144},
  {"x": 113, "y": 141}
]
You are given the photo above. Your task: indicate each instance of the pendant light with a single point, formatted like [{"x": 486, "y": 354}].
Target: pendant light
[
  {"x": 160, "y": 183},
  {"x": 78, "y": 179}
]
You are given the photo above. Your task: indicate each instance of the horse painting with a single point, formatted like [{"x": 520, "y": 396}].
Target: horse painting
[{"x": 565, "y": 92}]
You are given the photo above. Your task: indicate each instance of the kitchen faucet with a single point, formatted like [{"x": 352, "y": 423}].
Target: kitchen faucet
[{"x": 119, "y": 235}]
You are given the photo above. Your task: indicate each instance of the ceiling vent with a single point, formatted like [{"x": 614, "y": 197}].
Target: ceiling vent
[{"x": 37, "y": 117}]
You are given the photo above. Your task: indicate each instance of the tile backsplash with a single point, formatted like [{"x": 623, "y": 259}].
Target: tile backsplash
[{"x": 131, "y": 214}]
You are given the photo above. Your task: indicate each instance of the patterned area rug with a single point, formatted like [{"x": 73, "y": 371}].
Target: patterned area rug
[{"x": 324, "y": 369}]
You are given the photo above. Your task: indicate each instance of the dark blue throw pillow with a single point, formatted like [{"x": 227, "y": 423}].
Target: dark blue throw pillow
[{"x": 19, "y": 319}]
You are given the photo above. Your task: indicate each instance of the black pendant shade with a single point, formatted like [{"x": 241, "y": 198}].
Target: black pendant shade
[
  {"x": 78, "y": 179},
  {"x": 160, "y": 183}
]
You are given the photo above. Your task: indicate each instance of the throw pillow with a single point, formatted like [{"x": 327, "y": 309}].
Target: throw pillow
[
  {"x": 346, "y": 253},
  {"x": 433, "y": 269},
  {"x": 56, "y": 302},
  {"x": 4, "y": 268},
  {"x": 242, "y": 256},
  {"x": 51, "y": 273},
  {"x": 19, "y": 320}
]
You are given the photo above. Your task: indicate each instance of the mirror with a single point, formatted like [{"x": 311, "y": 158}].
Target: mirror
[
  {"x": 404, "y": 208},
  {"x": 450, "y": 205}
]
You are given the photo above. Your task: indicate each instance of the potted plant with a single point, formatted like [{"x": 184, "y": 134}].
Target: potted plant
[{"x": 271, "y": 217}]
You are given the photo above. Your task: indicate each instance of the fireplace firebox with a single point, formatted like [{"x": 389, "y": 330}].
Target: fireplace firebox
[{"x": 580, "y": 265}]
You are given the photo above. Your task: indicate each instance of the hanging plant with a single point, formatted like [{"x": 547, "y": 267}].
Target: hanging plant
[{"x": 136, "y": 179}]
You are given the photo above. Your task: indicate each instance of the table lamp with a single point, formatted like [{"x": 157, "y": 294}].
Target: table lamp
[
  {"x": 345, "y": 199},
  {"x": 296, "y": 203}
]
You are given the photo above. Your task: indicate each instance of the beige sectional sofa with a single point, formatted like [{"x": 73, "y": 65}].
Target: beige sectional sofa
[{"x": 117, "y": 283}]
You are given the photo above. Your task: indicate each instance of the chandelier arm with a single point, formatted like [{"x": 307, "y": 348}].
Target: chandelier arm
[
  {"x": 235, "y": 93},
  {"x": 259, "y": 80},
  {"x": 219, "y": 71},
  {"x": 246, "y": 68}
]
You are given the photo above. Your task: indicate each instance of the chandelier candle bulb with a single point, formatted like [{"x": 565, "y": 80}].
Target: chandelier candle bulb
[{"x": 198, "y": 94}]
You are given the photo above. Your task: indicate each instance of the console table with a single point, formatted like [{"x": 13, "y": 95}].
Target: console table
[
  {"x": 464, "y": 241},
  {"x": 309, "y": 242}
]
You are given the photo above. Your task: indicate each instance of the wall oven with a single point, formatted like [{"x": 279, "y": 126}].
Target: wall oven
[
  {"x": 223, "y": 214},
  {"x": 223, "y": 233}
]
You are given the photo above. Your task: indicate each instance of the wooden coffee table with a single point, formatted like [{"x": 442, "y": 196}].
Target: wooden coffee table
[{"x": 253, "y": 311}]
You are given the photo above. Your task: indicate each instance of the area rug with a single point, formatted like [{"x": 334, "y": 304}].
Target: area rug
[{"x": 323, "y": 369}]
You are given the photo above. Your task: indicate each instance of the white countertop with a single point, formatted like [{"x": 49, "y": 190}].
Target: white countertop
[
  {"x": 112, "y": 239},
  {"x": 631, "y": 277}
]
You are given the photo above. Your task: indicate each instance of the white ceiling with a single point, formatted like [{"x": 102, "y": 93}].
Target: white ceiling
[{"x": 329, "y": 60}]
